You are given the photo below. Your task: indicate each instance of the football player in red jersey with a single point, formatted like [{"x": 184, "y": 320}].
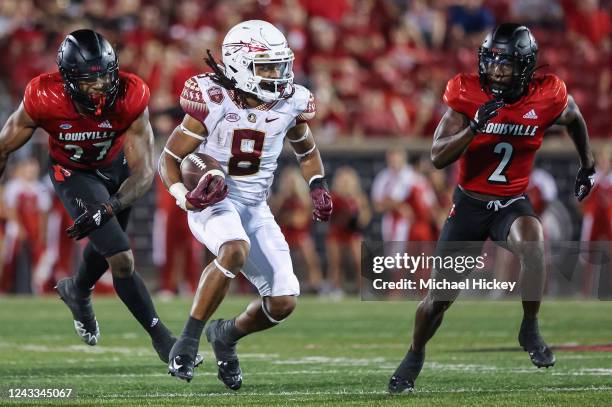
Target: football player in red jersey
[
  {"x": 494, "y": 125},
  {"x": 101, "y": 161}
]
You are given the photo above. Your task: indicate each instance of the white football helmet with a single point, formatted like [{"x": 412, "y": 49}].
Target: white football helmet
[{"x": 257, "y": 57}]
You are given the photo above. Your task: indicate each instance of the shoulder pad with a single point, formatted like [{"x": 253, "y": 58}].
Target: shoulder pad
[{"x": 192, "y": 100}]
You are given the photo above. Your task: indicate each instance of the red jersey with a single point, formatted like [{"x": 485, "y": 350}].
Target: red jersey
[
  {"x": 80, "y": 141},
  {"x": 498, "y": 161},
  {"x": 343, "y": 225}
]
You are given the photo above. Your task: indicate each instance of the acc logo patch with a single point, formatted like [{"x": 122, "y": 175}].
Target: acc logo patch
[
  {"x": 232, "y": 117},
  {"x": 65, "y": 126},
  {"x": 215, "y": 94}
]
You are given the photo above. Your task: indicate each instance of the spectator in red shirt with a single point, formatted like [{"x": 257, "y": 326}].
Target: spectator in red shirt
[
  {"x": 351, "y": 215},
  {"x": 587, "y": 20},
  {"x": 292, "y": 209},
  {"x": 27, "y": 202}
]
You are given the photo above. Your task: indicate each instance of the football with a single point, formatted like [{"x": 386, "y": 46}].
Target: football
[{"x": 198, "y": 165}]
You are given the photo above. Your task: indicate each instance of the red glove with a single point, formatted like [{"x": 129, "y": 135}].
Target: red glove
[
  {"x": 321, "y": 200},
  {"x": 209, "y": 191}
]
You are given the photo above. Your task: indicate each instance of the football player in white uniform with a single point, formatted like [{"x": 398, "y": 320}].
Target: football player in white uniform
[{"x": 240, "y": 115}]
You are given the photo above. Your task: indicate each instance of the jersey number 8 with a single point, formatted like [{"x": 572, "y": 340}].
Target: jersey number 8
[{"x": 247, "y": 145}]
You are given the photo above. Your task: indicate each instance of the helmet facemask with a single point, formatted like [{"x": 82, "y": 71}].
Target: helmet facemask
[
  {"x": 90, "y": 70},
  {"x": 77, "y": 85},
  {"x": 273, "y": 78},
  {"x": 507, "y": 61}
]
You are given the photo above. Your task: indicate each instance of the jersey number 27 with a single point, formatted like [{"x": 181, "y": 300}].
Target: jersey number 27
[{"x": 77, "y": 154}]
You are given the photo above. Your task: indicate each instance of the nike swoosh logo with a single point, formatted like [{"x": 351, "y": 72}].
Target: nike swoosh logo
[
  {"x": 175, "y": 366},
  {"x": 271, "y": 120}
]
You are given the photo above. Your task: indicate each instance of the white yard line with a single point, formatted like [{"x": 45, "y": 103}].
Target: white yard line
[{"x": 358, "y": 393}]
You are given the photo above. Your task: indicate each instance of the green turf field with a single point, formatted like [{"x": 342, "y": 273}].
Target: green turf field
[{"x": 327, "y": 353}]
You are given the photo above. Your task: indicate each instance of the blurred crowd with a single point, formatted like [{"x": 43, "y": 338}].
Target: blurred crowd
[
  {"x": 377, "y": 68},
  {"x": 410, "y": 199}
]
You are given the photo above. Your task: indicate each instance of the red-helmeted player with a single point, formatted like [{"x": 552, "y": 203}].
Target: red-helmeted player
[
  {"x": 495, "y": 123},
  {"x": 101, "y": 161}
]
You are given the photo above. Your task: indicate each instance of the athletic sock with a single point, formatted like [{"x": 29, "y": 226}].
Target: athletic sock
[
  {"x": 135, "y": 296},
  {"x": 92, "y": 267},
  {"x": 529, "y": 324},
  {"x": 411, "y": 365},
  {"x": 193, "y": 328},
  {"x": 230, "y": 332}
]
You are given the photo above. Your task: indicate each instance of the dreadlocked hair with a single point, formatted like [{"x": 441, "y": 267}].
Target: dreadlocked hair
[{"x": 219, "y": 78}]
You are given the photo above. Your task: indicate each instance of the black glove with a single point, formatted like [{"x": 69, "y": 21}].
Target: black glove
[
  {"x": 485, "y": 113},
  {"x": 584, "y": 182},
  {"x": 95, "y": 215}
]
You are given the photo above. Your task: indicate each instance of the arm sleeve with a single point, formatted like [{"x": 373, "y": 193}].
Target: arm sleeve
[{"x": 192, "y": 101}]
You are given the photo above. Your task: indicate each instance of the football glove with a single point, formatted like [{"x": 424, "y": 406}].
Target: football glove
[
  {"x": 321, "y": 200},
  {"x": 485, "y": 113},
  {"x": 585, "y": 180},
  {"x": 209, "y": 191},
  {"x": 94, "y": 216}
]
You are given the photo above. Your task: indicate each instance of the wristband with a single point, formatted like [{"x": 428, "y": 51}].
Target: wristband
[
  {"x": 318, "y": 181},
  {"x": 178, "y": 191}
]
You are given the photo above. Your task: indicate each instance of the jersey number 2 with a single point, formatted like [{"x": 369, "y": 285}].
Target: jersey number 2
[
  {"x": 247, "y": 145},
  {"x": 498, "y": 176}
]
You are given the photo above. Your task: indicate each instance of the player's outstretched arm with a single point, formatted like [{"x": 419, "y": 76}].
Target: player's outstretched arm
[
  {"x": 577, "y": 129},
  {"x": 17, "y": 130},
  {"x": 184, "y": 140},
  {"x": 138, "y": 150},
  {"x": 301, "y": 139}
]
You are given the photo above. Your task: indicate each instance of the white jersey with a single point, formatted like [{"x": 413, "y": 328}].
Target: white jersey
[
  {"x": 246, "y": 141},
  {"x": 397, "y": 186}
]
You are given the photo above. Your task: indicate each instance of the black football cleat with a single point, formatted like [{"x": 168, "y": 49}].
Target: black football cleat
[
  {"x": 225, "y": 353},
  {"x": 182, "y": 368},
  {"x": 184, "y": 359},
  {"x": 402, "y": 381},
  {"x": 85, "y": 322},
  {"x": 164, "y": 347},
  {"x": 531, "y": 341},
  {"x": 230, "y": 374},
  {"x": 399, "y": 385}
]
